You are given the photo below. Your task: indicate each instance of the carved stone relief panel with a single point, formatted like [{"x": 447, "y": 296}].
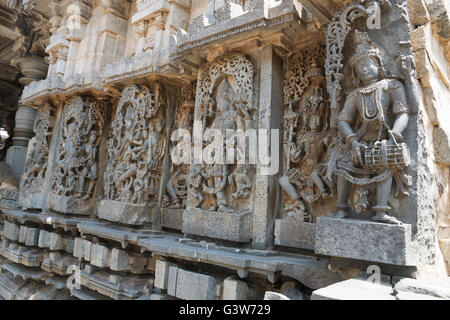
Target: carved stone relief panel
[
  {"x": 307, "y": 136},
  {"x": 32, "y": 182},
  {"x": 218, "y": 190},
  {"x": 76, "y": 163},
  {"x": 175, "y": 199},
  {"x": 136, "y": 148}
]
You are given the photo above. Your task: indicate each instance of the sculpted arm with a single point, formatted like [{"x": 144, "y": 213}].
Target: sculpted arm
[{"x": 400, "y": 109}]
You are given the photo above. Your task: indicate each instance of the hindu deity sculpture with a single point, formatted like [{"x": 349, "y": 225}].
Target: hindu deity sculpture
[{"x": 372, "y": 123}]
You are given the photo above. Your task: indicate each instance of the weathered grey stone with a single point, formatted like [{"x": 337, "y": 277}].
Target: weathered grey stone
[
  {"x": 100, "y": 256},
  {"x": 22, "y": 234},
  {"x": 32, "y": 237},
  {"x": 442, "y": 145},
  {"x": 31, "y": 201},
  {"x": 56, "y": 242},
  {"x": 354, "y": 290},
  {"x": 125, "y": 213},
  {"x": 172, "y": 218},
  {"x": 431, "y": 286},
  {"x": 71, "y": 205},
  {"x": 172, "y": 281},
  {"x": 7, "y": 178},
  {"x": 192, "y": 286},
  {"x": 162, "y": 274},
  {"x": 220, "y": 225},
  {"x": 120, "y": 261},
  {"x": 295, "y": 233},
  {"x": 274, "y": 296},
  {"x": 234, "y": 290},
  {"x": 11, "y": 231},
  {"x": 365, "y": 240}
]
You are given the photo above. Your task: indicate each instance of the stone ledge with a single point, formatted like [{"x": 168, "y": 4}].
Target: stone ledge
[
  {"x": 219, "y": 225},
  {"x": 355, "y": 289},
  {"x": 365, "y": 240},
  {"x": 294, "y": 233}
]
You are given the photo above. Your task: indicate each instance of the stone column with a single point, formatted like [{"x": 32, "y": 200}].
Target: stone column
[
  {"x": 23, "y": 132},
  {"x": 266, "y": 186}
]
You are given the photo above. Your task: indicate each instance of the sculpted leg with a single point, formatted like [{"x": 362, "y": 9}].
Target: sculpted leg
[
  {"x": 382, "y": 208},
  {"x": 343, "y": 191}
]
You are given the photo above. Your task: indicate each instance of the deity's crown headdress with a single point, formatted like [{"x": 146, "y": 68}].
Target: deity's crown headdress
[{"x": 364, "y": 48}]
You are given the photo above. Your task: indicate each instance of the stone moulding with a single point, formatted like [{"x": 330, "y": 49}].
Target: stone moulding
[
  {"x": 31, "y": 201},
  {"x": 58, "y": 86},
  {"x": 220, "y": 225},
  {"x": 248, "y": 21}
]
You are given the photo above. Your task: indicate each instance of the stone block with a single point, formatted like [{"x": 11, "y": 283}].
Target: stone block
[
  {"x": 172, "y": 218},
  {"x": 125, "y": 213},
  {"x": 23, "y": 234},
  {"x": 172, "y": 281},
  {"x": 11, "y": 231},
  {"x": 365, "y": 240},
  {"x": 56, "y": 242},
  {"x": 433, "y": 287},
  {"x": 44, "y": 239},
  {"x": 31, "y": 201},
  {"x": 295, "y": 233},
  {"x": 78, "y": 248},
  {"x": 32, "y": 237},
  {"x": 120, "y": 261},
  {"x": 354, "y": 290},
  {"x": 100, "y": 256},
  {"x": 70, "y": 205},
  {"x": 234, "y": 290},
  {"x": 162, "y": 274},
  {"x": 69, "y": 244},
  {"x": 219, "y": 225},
  {"x": 188, "y": 285}
]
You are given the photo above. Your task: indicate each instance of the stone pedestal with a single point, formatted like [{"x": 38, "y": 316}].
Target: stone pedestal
[
  {"x": 126, "y": 213},
  {"x": 172, "y": 218},
  {"x": 295, "y": 234},
  {"x": 219, "y": 225},
  {"x": 31, "y": 201},
  {"x": 365, "y": 240},
  {"x": 70, "y": 205}
]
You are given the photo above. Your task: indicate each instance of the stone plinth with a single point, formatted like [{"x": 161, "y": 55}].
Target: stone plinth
[
  {"x": 219, "y": 225},
  {"x": 31, "y": 201},
  {"x": 126, "y": 213},
  {"x": 70, "y": 205},
  {"x": 172, "y": 218},
  {"x": 295, "y": 234},
  {"x": 364, "y": 240}
]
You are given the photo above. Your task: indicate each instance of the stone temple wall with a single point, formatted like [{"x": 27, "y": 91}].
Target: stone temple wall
[{"x": 346, "y": 153}]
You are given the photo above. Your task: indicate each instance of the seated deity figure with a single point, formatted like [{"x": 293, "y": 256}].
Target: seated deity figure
[{"x": 372, "y": 122}]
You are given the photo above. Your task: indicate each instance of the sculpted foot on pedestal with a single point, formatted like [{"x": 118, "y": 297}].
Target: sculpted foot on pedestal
[
  {"x": 384, "y": 218},
  {"x": 341, "y": 214}
]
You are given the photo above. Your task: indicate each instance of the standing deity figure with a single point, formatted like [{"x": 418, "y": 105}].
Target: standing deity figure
[
  {"x": 216, "y": 175},
  {"x": 372, "y": 123}
]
